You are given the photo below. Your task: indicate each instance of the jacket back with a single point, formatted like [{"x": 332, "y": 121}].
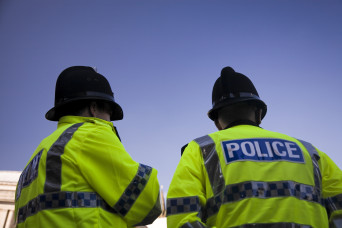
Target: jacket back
[
  {"x": 81, "y": 176},
  {"x": 246, "y": 175}
]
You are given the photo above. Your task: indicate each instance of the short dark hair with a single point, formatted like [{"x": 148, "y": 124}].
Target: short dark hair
[{"x": 78, "y": 107}]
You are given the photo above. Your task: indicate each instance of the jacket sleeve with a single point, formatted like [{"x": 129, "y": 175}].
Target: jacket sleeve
[
  {"x": 332, "y": 189},
  {"x": 130, "y": 188},
  {"x": 186, "y": 195}
]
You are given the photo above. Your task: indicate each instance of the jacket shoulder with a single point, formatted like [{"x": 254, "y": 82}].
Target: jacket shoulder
[{"x": 201, "y": 141}]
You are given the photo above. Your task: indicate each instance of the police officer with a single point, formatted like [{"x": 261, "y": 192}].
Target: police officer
[
  {"x": 81, "y": 175},
  {"x": 245, "y": 176}
]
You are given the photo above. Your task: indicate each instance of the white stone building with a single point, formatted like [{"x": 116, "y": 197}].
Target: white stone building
[{"x": 8, "y": 182}]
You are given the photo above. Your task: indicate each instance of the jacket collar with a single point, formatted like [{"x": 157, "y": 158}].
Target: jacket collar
[{"x": 241, "y": 122}]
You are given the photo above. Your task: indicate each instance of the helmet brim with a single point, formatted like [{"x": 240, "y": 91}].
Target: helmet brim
[
  {"x": 53, "y": 113},
  {"x": 212, "y": 113}
]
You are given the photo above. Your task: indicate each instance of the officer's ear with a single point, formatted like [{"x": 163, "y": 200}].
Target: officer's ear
[
  {"x": 258, "y": 115},
  {"x": 92, "y": 108},
  {"x": 218, "y": 125}
]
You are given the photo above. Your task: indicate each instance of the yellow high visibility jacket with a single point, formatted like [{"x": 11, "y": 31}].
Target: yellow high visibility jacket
[
  {"x": 245, "y": 176},
  {"x": 81, "y": 176}
]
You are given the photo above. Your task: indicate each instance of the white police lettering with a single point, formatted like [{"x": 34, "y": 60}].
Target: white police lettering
[
  {"x": 251, "y": 151},
  {"x": 291, "y": 149},
  {"x": 231, "y": 147},
  {"x": 262, "y": 149}
]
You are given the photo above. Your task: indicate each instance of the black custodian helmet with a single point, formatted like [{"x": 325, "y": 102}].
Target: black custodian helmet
[
  {"x": 231, "y": 88},
  {"x": 82, "y": 83}
]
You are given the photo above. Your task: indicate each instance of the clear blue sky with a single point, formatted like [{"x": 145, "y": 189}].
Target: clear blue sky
[{"x": 162, "y": 59}]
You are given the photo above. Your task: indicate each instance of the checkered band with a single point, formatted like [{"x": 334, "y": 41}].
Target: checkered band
[
  {"x": 273, "y": 225},
  {"x": 61, "y": 200},
  {"x": 29, "y": 174},
  {"x": 183, "y": 205},
  {"x": 270, "y": 189},
  {"x": 133, "y": 190},
  {"x": 333, "y": 203},
  {"x": 213, "y": 205},
  {"x": 236, "y": 192}
]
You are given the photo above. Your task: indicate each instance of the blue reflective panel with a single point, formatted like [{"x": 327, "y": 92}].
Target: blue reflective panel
[
  {"x": 262, "y": 149},
  {"x": 29, "y": 174}
]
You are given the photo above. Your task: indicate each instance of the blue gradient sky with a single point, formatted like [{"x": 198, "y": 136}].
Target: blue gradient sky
[{"x": 162, "y": 59}]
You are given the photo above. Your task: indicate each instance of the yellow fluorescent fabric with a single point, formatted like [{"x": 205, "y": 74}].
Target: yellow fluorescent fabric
[
  {"x": 93, "y": 162},
  {"x": 191, "y": 180}
]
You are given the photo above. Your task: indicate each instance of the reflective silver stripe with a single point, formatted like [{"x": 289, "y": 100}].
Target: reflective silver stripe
[
  {"x": 212, "y": 163},
  {"x": 133, "y": 190},
  {"x": 183, "y": 205},
  {"x": 196, "y": 224},
  {"x": 152, "y": 215},
  {"x": 53, "y": 180},
  {"x": 263, "y": 190},
  {"x": 57, "y": 200},
  {"x": 315, "y": 158},
  {"x": 214, "y": 171},
  {"x": 273, "y": 225}
]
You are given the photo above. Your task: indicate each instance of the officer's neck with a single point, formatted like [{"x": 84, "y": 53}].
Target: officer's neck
[{"x": 241, "y": 122}]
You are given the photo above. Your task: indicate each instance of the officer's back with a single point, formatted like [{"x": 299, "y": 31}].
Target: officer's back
[
  {"x": 246, "y": 176},
  {"x": 81, "y": 175}
]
